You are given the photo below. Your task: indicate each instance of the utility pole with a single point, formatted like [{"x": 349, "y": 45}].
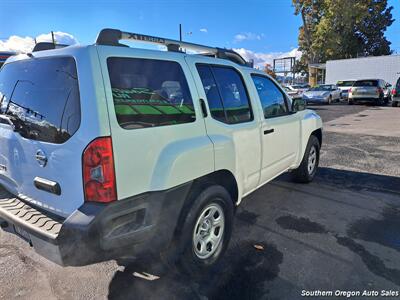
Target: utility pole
[
  {"x": 180, "y": 32},
  {"x": 53, "y": 39}
]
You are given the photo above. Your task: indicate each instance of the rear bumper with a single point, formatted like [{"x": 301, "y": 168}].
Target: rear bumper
[
  {"x": 132, "y": 227},
  {"x": 364, "y": 97}
]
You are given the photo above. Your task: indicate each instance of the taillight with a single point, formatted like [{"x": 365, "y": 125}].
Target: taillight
[
  {"x": 350, "y": 90},
  {"x": 394, "y": 92},
  {"x": 379, "y": 90},
  {"x": 98, "y": 171}
]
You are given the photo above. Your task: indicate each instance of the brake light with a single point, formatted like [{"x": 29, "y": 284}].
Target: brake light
[
  {"x": 394, "y": 92},
  {"x": 98, "y": 171},
  {"x": 379, "y": 90}
]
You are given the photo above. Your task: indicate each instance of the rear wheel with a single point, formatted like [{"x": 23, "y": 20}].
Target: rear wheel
[
  {"x": 380, "y": 101},
  {"x": 395, "y": 103},
  {"x": 350, "y": 102},
  {"x": 206, "y": 230},
  {"x": 306, "y": 171}
]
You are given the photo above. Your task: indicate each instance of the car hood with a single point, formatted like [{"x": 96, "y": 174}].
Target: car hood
[{"x": 316, "y": 94}]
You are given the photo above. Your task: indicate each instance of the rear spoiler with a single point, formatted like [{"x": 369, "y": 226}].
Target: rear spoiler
[{"x": 47, "y": 46}]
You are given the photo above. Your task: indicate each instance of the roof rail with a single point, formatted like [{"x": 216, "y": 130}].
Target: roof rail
[
  {"x": 47, "y": 46},
  {"x": 112, "y": 37}
]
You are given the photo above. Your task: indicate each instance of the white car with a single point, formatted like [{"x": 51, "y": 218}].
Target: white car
[
  {"x": 344, "y": 86},
  {"x": 292, "y": 93},
  {"x": 109, "y": 152},
  {"x": 322, "y": 94},
  {"x": 299, "y": 88}
]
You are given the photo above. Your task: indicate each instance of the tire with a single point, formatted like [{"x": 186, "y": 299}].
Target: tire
[
  {"x": 395, "y": 104},
  {"x": 329, "y": 100},
  {"x": 380, "y": 101},
  {"x": 197, "y": 255},
  {"x": 350, "y": 102},
  {"x": 305, "y": 173}
]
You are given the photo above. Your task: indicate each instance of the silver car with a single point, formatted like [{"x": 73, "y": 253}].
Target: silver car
[
  {"x": 369, "y": 90},
  {"x": 324, "y": 93}
]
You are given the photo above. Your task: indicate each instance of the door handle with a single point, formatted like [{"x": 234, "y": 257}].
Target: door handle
[
  {"x": 268, "y": 131},
  {"x": 47, "y": 185},
  {"x": 203, "y": 107}
]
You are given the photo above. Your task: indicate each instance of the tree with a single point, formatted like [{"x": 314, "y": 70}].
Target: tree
[
  {"x": 268, "y": 69},
  {"x": 335, "y": 29}
]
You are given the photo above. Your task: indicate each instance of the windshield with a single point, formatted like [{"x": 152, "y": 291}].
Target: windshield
[
  {"x": 345, "y": 83},
  {"x": 301, "y": 86},
  {"x": 322, "y": 88}
]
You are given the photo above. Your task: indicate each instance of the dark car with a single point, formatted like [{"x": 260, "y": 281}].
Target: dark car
[{"x": 396, "y": 94}]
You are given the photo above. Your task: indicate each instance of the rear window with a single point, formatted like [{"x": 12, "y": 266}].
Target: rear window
[
  {"x": 345, "y": 83},
  {"x": 366, "y": 83},
  {"x": 41, "y": 98},
  {"x": 149, "y": 93}
]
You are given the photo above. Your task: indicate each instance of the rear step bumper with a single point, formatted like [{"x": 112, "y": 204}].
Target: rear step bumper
[{"x": 132, "y": 227}]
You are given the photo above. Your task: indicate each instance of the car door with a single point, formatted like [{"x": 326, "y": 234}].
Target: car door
[
  {"x": 280, "y": 128},
  {"x": 230, "y": 121},
  {"x": 40, "y": 154},
  {"x": 336, "y": 92}
]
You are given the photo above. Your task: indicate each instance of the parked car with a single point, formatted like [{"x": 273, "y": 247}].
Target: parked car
[
  {"x": 299, "y": 88},
  {"x": 396, "y": 94},
  {"x": 324, "y": 93},
  {"x": 292, "y": 93},
  {"x": 369, "y": 90},
  {"x": 387, "y": 92},
  {"x": 344, "y": 86},
  {"x": 109, "y": 152}
]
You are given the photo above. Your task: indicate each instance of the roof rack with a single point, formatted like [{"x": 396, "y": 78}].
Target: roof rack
[
  {"x": 47, "y": 46},
  {"x": 112, "y": 37}
]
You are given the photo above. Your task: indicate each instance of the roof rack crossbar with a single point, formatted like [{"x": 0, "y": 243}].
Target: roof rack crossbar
[{"x": 112, "y": 37}]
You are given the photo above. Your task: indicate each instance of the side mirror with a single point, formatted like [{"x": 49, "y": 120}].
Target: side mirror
[{"x": 298, "y": 105}]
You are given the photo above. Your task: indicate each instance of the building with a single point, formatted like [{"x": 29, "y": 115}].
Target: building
[
  {"x": 316, "y": 74},
  {"x": 381, "y": 67},
  {"x": 4, "y": 55}
]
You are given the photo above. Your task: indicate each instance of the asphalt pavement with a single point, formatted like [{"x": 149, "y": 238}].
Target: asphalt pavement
[{"x": 338, "y": 233}]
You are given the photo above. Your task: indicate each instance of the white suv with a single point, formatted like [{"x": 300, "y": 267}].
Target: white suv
[{"x": 109, "y": 152}]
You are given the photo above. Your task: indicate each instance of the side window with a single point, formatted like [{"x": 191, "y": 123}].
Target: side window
[
  {"x": 212, "y": 93},
  {"x": 398, "y": 83},
  {"x": 149, "y": 93},
  {"x": 272, "y": 99},
  {"x": 226, "y": 94}
]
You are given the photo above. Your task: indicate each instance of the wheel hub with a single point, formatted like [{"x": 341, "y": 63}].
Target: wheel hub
[{"x": 208, "y": 231}]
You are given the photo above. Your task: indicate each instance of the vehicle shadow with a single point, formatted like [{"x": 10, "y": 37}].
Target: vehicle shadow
[{"x": 251, "y": 267}]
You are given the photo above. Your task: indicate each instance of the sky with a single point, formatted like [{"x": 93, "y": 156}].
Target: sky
[{"x": 257, "y": 29}]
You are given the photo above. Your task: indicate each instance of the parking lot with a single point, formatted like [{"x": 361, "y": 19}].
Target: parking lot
[{"x": 341, "y": 232}]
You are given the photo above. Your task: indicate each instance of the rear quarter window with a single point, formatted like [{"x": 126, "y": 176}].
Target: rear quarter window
[
  {"x": 41, "y": 98},
  {"x": 149, "y": 93}
]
